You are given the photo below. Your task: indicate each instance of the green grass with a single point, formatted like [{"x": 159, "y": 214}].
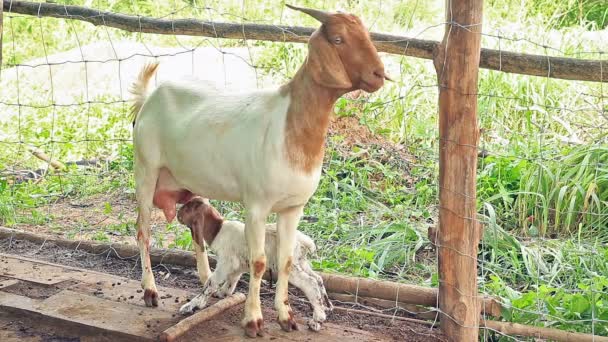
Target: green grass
[
  {"x": 566, "y": 195},
  {"x": 542, "y": 185},
  {"x": 587, "y": 13}
]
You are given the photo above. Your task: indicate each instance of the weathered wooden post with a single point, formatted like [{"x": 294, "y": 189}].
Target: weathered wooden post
[{"x": 456, "y": 61}]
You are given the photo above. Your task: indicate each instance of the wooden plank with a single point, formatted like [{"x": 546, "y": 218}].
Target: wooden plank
[
  {"x": 107, "y": 315},
  {"x": 20, "y": 268},
  {"x": 129, "y": 292},
  {"x": 5, "y": 282},
  {"x": 505, "y": 61},
  {"x": 10, "y": 300},
  {"x": 87, "y": 313},
  {"x": 457, "y": 65},
  {"x": 89, "y": 282},
  {"x": 73, "y": 308},
  {"x": 92, "y": 300}
]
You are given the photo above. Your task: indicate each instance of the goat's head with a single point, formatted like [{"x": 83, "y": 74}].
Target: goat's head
[
  {"x": 203, "y": 220},
  {"x": 341, "y": 54}
]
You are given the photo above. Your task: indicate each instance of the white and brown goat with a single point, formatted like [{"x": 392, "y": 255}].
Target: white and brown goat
[
  {"x": 263, "y": 148},
  {"x": 227, "y": 240}
]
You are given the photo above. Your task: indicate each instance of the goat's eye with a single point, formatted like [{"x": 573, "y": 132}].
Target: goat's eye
[{"x": 337, "y": 40}]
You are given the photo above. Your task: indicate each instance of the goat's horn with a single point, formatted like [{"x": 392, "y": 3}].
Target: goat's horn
[{"x": 317, "y": 14}]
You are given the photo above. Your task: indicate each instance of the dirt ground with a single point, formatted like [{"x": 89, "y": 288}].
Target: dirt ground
[{"x": 25, "y": 329}]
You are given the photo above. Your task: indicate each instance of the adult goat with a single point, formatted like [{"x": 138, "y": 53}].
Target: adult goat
[{"x": 263, "y": 148}]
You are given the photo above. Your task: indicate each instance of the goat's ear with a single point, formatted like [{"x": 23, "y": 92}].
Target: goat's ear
[
  {"x": 213, "y": 224},
  {"x": 197, "y": 229},
  {"x": 325, "y": 64}
]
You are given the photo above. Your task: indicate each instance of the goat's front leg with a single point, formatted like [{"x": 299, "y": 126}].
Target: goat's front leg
[
  {"x": 287, "y": 225},
  {"x": 255, "y": 232},
  {"x": 210, "y": 287},
  {"x": 202, "y": 262},
  {"x": 145, "y": 185},
  {"x": 230, "y": 285}
]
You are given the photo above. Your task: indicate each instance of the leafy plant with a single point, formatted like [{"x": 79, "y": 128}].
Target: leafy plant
[{"x": 567, "y": 193}]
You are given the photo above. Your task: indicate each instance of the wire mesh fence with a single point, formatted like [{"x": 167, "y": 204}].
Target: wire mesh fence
[
  {"x": 542, "y": 188},
  {"x": 542, "y": 185}
]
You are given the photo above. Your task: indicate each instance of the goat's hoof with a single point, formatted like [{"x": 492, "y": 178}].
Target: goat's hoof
[
  {"x": 254, "y": 328},
  {"x": 314, "y": 325},
  {"x": 289, "y": 324},
  {"x": 186, "y": 309},
  {"x": 151, "y": 297}
]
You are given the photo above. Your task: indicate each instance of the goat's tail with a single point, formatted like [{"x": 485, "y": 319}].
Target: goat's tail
[
  {"x": 139, "y": 88},
  {"x": 307, "y": 242}
]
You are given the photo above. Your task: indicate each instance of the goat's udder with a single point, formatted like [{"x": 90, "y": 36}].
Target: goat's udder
[{"x": 167, "y": 199}]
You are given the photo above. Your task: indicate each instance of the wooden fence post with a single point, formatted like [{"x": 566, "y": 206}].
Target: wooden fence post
[{"x": 456, "y": 61}]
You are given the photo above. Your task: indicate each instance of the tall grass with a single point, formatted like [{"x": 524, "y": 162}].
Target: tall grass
[{"x": 565, "y": 195}]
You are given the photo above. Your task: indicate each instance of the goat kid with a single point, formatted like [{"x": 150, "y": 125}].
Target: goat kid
[
  {"x": 263, "y": 148},
  {"x": 227, "y": 240}
]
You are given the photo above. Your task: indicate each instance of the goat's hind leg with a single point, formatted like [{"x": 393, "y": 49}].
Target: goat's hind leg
[
  {"x": 314, "y": 292},
  {"x": 308, "y": 270},
  {"x": 145, "y": 186}
]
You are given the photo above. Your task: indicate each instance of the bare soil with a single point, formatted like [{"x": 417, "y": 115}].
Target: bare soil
[{"x": 21, "y": 329}]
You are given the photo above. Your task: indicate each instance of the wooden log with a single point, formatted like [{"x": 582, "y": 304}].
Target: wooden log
[
  {"x": 183, "y": 326},
  {"x": 506, "y": 328},
  {"x": 385, "y": 316},
  {"x": 411, "y": 309},
  {"x": 38, "y": 153},
  {"x": 120, "y": 250},
  {"x": 398, "y": 292},
  {"x": 512, "y": 329},
  {"x": 380, "y": 289},
  {"x": 408, "y": 294},
  {"x": 510, "y": 62},
  {"x": 457, "y": 64}
]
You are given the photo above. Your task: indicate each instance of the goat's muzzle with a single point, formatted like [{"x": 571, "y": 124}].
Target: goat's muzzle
[{"x": 373, "y": 81}]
